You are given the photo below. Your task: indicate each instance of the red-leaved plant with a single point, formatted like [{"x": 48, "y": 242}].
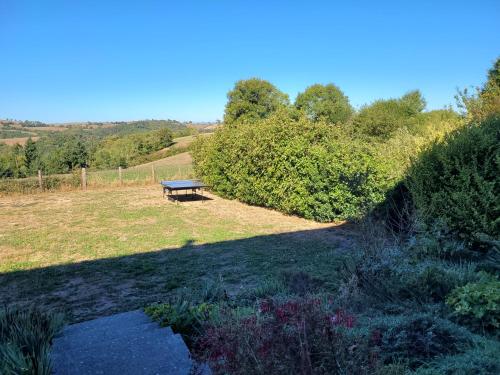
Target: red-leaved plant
[{"x": 299, "y": 336}]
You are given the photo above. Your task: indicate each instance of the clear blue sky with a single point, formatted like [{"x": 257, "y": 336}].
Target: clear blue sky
[{"x": 119, "y": 60}]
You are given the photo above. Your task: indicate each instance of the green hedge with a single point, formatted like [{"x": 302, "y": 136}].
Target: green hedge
[
  {"x": 291, "y": 164},
  {"x": 457, "y": 181}
]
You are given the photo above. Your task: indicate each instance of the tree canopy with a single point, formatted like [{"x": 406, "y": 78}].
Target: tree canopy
[
  {"x": 253, "y": 99},
  {"x": 324, "y": 102},
  {"x": 383, "y": 117}
]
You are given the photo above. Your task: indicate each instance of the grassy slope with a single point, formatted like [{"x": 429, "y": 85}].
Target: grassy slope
[
  {"x": 172, "y": 167},
  {"x": 96, "y": 252}
]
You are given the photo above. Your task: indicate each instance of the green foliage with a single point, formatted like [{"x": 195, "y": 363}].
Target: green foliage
[
  {"x": 183, "y": 316},
  {"x": 384, "y": 117},
  {"x": 479, "y": 360},
  {"x": 12, "y": 161},
  {"x": 253, "y": 99},
  {"x": 484, "y": 101},
  {"x": 418, "y": 338},
  {"x": 13, "y": 133},
  {"x": 61, "y": 153},
  {"x": 293, "y": 165},
  {"x": 479, "y": 303},
  {"x": 25, "y": 337},
  {"x": 386, "y": 273},
  {"x": 324, "y": 103},
  {"x": 123, "y": 128},
  {"x": 30, "y": 156},
  {"x": 457, "y": 181},
  {"x": 124, "y": 151}
]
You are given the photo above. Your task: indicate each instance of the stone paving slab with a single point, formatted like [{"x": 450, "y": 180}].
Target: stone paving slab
[{"x": 127, "y": 343}]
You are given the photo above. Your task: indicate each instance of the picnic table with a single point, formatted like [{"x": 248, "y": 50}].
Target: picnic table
[{"x": 174, "y": 186}]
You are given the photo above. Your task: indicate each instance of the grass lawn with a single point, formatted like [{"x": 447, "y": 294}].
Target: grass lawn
[{"x": 103, "y": 251}]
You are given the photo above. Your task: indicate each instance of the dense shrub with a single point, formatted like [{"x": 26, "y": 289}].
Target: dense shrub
[
  {"x": 419, "y": 337},
  {"x": 184, "y": 318},
  {"x": 188, "y": 309},
  {"x": 12, "y": 163},
  {"x": 457, "y": 181},
  {"x": 387, "y": 272},
  {"x": 482, "y": 359},
  {"x": 478, "y": 303},
  {"x": 293, "y": 165},
  {"x": 25, "y": 338},
  {"x": 294, "y": 336}
]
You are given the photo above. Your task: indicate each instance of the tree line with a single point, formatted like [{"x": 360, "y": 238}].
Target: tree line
[
  {"x": 62, "y": 152},
  {"x": 319, "y": 157}
]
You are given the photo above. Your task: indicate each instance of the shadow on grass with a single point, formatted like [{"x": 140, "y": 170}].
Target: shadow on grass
[
  {"x": 187, "y": 197},
  {"x": 99, "y": 287}
]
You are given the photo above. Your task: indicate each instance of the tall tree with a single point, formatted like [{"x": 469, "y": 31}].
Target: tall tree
[
  {"x": 253, "y": 99},
  {"x": 324, "y": 102},
  {"x": 74, "y": 153},
  {"x": 31, "y": 156}
]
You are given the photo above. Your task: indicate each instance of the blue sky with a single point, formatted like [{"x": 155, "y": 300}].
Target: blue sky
[{"x": 121, "y": 60}]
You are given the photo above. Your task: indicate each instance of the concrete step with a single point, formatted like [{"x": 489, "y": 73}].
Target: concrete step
[{"x": 127, "y": 343}]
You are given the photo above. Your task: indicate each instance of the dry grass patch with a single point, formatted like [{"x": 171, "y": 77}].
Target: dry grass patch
[{"x": 96, "y": 252}]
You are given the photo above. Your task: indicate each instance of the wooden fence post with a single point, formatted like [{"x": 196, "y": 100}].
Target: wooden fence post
[
  {"x": 120, "y": 175},
  {"x": 153, "y": 173},
  {"x": 84, "y": 178},
  {"x": 40, "y": 182}
]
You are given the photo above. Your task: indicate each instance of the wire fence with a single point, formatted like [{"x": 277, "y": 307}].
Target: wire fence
[{"x": 88, "y": 179}]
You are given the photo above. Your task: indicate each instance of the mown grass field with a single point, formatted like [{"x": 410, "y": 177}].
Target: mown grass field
[{"x": 101, "y": 251}]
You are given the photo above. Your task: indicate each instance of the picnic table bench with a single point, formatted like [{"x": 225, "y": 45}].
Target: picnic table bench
[{"x": 174, "y": 186}]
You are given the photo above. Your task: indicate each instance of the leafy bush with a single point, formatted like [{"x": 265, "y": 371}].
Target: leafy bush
[
  {"x": 265, "y": 289},
  {"x": 387, "y": 272},
  {"x": 457, "y": 181},
  {"x": 188, "y": 309},
  {"x": 478, "y": 303},
  {"x": 293, "y": 165},
  {"x": 184, "y": 318},
  {"x": 384, "y": 117},
  {"x": 482, "y": 359},
  {"x": 287, "y": 337},
  {"x": 418, "y": 338},
  {"x": 25, "y": 338}
]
